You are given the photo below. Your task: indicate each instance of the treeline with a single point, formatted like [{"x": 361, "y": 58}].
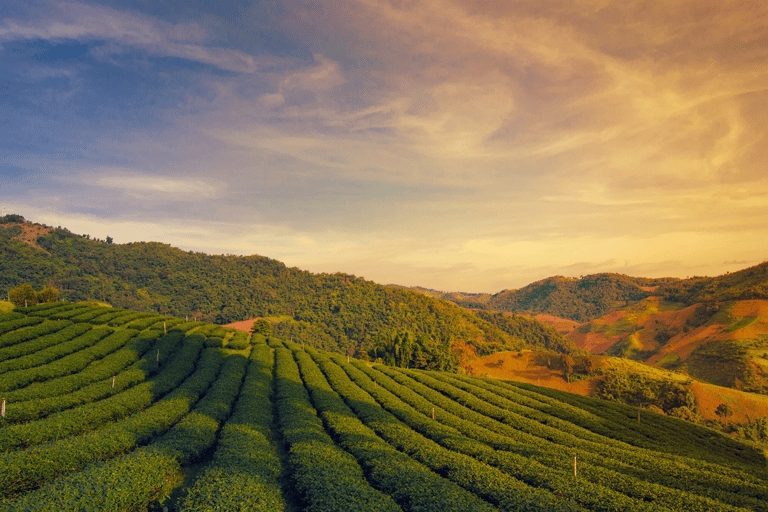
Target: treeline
[
  {"x": 581, "y": 299},
  {"x": 529, "y": 332},
  {"x": 338, "y": 312},
  {"x": 750, "y": 283}
]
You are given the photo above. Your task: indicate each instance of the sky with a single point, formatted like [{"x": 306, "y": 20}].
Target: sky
[{"x": 458, "y": 145}]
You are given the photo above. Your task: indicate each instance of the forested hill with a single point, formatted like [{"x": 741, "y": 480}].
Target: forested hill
[
  {"x": 750, "y": 283},
  {"x": 580, "y": 299},
  {"x": 338, "y": 312}
]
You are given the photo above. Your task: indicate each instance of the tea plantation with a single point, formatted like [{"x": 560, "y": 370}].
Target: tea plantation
[{"x": 108, "y": 409}]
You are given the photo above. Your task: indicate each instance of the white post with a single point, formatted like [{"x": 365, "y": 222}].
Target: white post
[
  {"x": 113, "y": 381},
  {"x": 574, "y": 464},
  {"x": 165, "y": 331},
  {"x": 2, "y": 409}
]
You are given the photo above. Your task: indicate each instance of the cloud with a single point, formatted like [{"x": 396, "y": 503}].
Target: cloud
[{"x": 82, "y": 22}]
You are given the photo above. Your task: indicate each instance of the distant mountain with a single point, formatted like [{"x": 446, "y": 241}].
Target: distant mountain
[
  {"x": 580, "y": 299},
  {"x": 750, "y": 283},
  {"x": 339, "y": 312}
]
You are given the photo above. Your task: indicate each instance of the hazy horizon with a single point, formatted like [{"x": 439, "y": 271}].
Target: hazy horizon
[{"x": 458, "y": 146}]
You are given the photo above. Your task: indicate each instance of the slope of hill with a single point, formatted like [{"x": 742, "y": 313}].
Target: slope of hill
[
  {"x": 750, "y": 283},
  {"x": 580, "y": 299},
  {"x": 337, "y": 312},
  {"x": 117, "y": 407},
  {"x": 532, "y": 368},
  {"x": 720, "y": 343}
]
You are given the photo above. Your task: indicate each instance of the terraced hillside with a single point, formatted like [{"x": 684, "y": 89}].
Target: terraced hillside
[{"x": 108, "y": 409}]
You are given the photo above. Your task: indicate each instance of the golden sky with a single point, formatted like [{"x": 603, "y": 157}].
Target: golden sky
[{"x": 471, "y": 146}]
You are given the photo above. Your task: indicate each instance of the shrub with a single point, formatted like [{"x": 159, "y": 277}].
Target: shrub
[{"x": 214, "y": 342}]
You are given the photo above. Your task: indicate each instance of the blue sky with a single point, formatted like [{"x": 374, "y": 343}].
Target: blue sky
[{"x": 472, "y": 146}]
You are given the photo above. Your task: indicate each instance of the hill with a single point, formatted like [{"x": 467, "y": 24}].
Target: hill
[
  {"x": 581, "y": 299},
  {"x": 719, "y": 343},
  {"x": 107, "y": 409},
  {"x": 338, "y": 312}
]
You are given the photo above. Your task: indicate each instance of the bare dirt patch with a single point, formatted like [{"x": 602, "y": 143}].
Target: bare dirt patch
[
  {"x": 30, "y": 232},
  {"x": 561, "y": 325},
  {"x": 531, "y": 368},
  {"x": 244, "y": 325}
]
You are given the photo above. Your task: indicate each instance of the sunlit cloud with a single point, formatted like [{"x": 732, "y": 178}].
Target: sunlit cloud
[{"x": 477, "y": 146}]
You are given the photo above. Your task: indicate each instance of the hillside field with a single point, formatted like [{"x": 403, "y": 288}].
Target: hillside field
[{"x": 109, "y": 409}]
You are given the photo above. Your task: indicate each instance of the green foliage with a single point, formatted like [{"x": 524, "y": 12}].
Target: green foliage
[
  {"x": 12, "y": 218},
  {"x": 638, "y": 390},
  {"x": 581, "y": 299},
  {"x": 528, "y": 332},
  {"x": 406, "y": 352},
  {"x": 214, "y": 342},
  {"x": 239, "y": 341},
  {"x": 23, "y": 295},
  {"x": 750, "y": 283},
  {"x": 338, "y": 312},
  {"x": 262, "y": 327}
]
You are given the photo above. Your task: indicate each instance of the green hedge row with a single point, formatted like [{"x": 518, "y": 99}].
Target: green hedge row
[
  {"x": 108, "y": 316},
  {"x": 31, "y": 333},
  {"x": 326, "y": 478},
  {"x": 45, "y": 348},
  {"x": 145, "y": 322},
  {"x": 239, "y": 341},
  {"x": 627, "y": 461},
  {"x": 487, "y": 482},
  {"x": 129, "y": 317},
  {"x": 98, "y": 486},
  {"x": 707, "y": 475},
  {"x": 92, "y": 414},
  {"x": 23, "y": 470},
  {"x": 619, "y": 421},
  {"x": 83, "y": 309},
  {"x": 46, "y": 308},
  {"x": 596, "y": 488},
  {"x": 412, "y": 485},
  {"x": 245, "y": 471},
  {"x": 11, "y": 324},
  {"x": 96, "y": 344},
  {"x": 93, "y": 383}
]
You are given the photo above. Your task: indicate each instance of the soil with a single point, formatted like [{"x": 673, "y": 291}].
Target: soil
[{"x": 244, "y": 325}]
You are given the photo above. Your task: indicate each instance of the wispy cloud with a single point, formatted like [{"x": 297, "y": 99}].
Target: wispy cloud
[{"x": 479, "y": 145}]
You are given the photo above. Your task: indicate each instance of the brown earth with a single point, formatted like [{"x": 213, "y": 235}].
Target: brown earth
[
  {"x": 244, "y": 325},
  {"x": 562, "y": 325},
  {"x": 30, "y": 232},
  {"x": 530, "y": 367}
]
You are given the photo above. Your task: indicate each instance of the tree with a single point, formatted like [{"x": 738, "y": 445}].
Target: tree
[
  {"x": 23, "y": 295},
  {"x": 262, "y": 327},
  {"x": 48, "y": 294},
  {"x": 725, "y": 412},
  {"x": 588, "y": 365},
  {"x": 109, "y": 240},
  {"x": 566, "y": 363}
]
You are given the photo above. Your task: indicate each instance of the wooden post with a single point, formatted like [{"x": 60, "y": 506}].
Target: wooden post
[
  {"x": 165, "y": 331},
  {"x": 2, "y": 409},
  {"x": 433, "y": 413},
  {"x": 574, "y": 465},
  {"x": 113, "y": 382},
  {"x": 186, "y": 318},
  {"x": 638, "y": 415},
  {"x": 347, "y": 357}
]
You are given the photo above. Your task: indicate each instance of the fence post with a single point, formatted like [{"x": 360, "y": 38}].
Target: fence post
[{"x": 574, "y": 465}]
